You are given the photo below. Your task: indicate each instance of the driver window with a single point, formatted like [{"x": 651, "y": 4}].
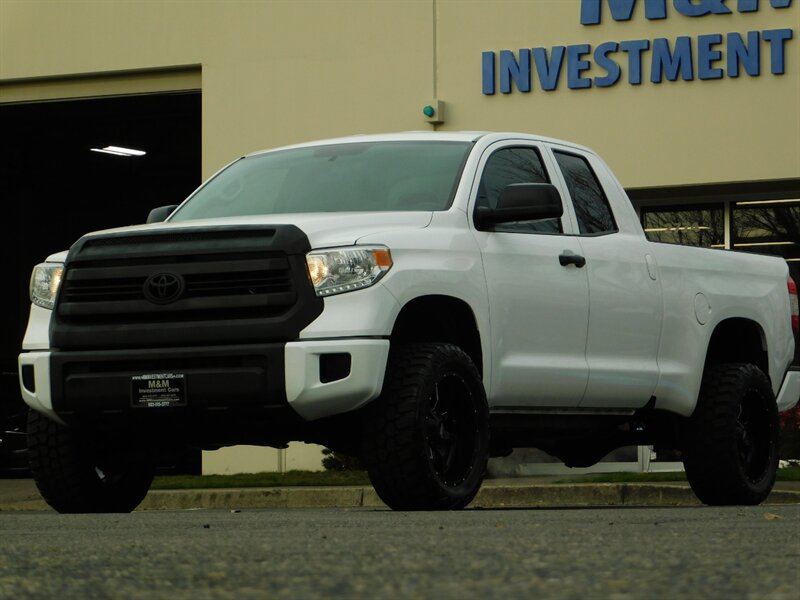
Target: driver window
[{"x": 514, "y": 165}]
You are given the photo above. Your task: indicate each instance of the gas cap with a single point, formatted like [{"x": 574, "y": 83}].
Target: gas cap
[{"x": 702, "y": 309}]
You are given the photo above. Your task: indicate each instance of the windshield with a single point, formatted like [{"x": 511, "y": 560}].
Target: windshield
[{"x": 370, "y": 176}]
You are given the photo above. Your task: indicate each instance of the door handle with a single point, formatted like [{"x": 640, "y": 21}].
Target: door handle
[{"x": 571, "y": 259}]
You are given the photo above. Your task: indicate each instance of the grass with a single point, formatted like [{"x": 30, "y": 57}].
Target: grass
[
  {"x": 786, "y": 474},
  {"x": 789, "y": 474},
  {"x": 626, "y": 477},
  {"x": 333, "y": 478},
  {"x": 249, "y": 480}
]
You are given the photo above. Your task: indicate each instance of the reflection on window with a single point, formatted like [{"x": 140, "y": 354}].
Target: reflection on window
[
  {"x": 514, "y": 165},
  {"x": 767, "y": 228},
  {"x": 590, "y": 202},
  {"x": 704, "y": 227}
]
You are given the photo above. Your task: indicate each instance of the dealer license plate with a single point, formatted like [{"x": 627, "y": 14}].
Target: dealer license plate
[{"x": 158, "y": 390}]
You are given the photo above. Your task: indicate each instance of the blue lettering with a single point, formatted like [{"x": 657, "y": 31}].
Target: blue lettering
[
  {"x": 518, "y": 72},
  {"x": 576, "y": 65},
  {"x": 604, "y": 62},
  {"x": 752, "y": 5},
  {"x": 777, "y": 41},
  {"x": 670, "y": 63},
  {"x": 705, "y": 7},
  {"x": 621, "y": 10},
  {"x": 634, "y": 48},
  {"x": 707, "y": 56},
  {"x": 748, "y": 55},
  {"x": 549, "y": 70},
  {"x": 488, "y": 73}
]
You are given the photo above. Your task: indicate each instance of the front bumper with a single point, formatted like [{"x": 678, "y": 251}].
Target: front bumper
[{"x": 272, "y": 383}]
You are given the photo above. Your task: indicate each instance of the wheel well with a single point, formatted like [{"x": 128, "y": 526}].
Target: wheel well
[
  {"x": 439, "y": 319},
  {"x": 738, "y": 340}
]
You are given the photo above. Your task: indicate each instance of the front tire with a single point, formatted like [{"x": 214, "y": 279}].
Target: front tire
[
  {"x": 730, "y": 443},
  {"x": 426, "y": 439},
  {"x": 78, "y": 472}
]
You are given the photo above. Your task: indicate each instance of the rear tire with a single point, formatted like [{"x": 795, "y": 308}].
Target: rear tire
[
  {"x": 76, "y": 472},
  {"x": 730, "y": 443},
  {"x": 426, "y": 439}
]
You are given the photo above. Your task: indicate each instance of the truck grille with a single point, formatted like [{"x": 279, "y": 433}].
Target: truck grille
[
  {"x": 250, "y": 286},
  {"x": 218, "y": 285}
]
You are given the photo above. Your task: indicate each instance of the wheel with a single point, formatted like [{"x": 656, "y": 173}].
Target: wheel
[
  {"x": 77, "y": 473},
  {"x": 426, "y": 439},
  {"x": 730, "y": 443}
]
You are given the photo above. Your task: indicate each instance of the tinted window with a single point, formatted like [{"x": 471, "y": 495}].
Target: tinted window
[
  {"x": 590, "y": 202},
  {"x": 370, "y": 176},
  {"x": 514, "y": 165}
]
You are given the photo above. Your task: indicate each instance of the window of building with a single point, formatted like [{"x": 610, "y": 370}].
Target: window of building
[
  {"x": 590, "y": 202},
  {"x": 767, "y": 227},
  {"x": 514, "y": 165},
  {"x": 689, "y": 226}
]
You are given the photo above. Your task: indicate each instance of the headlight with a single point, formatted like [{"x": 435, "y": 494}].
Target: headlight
[
  {"x": 45, "y": 281},
  {"x": 339, "y": 270}
]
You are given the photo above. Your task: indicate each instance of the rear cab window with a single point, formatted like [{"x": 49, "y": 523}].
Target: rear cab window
[{"x": 589, "y": 200}]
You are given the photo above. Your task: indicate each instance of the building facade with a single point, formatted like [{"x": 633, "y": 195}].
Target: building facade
[{"x": 695, "y": 104}]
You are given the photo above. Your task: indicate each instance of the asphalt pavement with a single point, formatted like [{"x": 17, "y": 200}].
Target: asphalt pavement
[
  {"x": 22, "y": 495},
  {"x": 619, "y": 553}
]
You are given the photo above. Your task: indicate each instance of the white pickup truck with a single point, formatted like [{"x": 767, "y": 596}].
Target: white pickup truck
[{"x": 421, "y": 300}]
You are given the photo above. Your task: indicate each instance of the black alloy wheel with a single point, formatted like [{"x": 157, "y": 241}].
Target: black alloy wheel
[
  {"x": 730, "y": 443},
  {"x": 426, "y": 439}
]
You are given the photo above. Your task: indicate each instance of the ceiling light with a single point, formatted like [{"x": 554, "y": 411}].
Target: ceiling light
[
  {"x": 752, "y": 202},
  {"x": 677, "y": 228},
  {"x": 765, "y": 244},
  {"x": 119, "y": 151}
]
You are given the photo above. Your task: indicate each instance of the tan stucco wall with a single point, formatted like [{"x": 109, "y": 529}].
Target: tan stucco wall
[
  {"x": 652, "y": 134},
  {"x": 254, "y": 459},
  {"x": 272, "y": 72},
  {"x": 276, "y": 72}
]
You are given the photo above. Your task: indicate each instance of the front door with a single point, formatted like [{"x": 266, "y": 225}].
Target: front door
[{"x": 538, "y": 308}]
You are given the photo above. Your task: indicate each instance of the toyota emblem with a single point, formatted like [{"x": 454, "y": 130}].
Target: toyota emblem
[{"x": 163, "y": 288}]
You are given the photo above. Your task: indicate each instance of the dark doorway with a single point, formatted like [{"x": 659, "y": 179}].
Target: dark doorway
[{"x": 55, "y": 189}]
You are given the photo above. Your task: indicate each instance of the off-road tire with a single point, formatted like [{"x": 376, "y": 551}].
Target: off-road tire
[
  {"x": 426, "y": 439},
  {"x": 730, "y": 443},
  {"x": 76, "y": 472}
]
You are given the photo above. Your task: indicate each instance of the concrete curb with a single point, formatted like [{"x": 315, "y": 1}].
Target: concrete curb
[{"x": 491, "y": 496}]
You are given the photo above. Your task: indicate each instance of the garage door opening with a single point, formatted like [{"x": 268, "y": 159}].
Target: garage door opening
[{"x": 71, "y": 167}]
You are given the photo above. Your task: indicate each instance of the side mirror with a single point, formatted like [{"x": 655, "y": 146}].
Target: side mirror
[
  {"x": 158, "y": 215},
  {"x": 521, "y": 202}
]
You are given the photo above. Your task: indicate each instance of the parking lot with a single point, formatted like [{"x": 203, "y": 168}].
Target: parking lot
[{"x": 621, "y": 553}]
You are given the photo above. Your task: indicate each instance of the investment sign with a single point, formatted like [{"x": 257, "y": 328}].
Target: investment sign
[{"x": 703, "y": 57}]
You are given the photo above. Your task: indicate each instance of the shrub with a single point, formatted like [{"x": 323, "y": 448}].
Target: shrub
[{"x": 336, "y": 461}]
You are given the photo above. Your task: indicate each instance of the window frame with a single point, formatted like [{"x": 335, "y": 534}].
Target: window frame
[
  {"x": 565, "y": 192},
  {"x": 545, "y": 158}
]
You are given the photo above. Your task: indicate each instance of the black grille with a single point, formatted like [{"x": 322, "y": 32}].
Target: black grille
[
  {"x": 249, "y": 286},
  {"x": 234, "y": 285}
]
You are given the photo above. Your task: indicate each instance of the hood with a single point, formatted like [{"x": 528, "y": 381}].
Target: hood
[{"x": 323, "y": 229}]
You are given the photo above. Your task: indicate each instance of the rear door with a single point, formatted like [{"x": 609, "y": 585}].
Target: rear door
[
  {"x": 625, "y": 304},
  {"x": 538, "y": 308}
]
